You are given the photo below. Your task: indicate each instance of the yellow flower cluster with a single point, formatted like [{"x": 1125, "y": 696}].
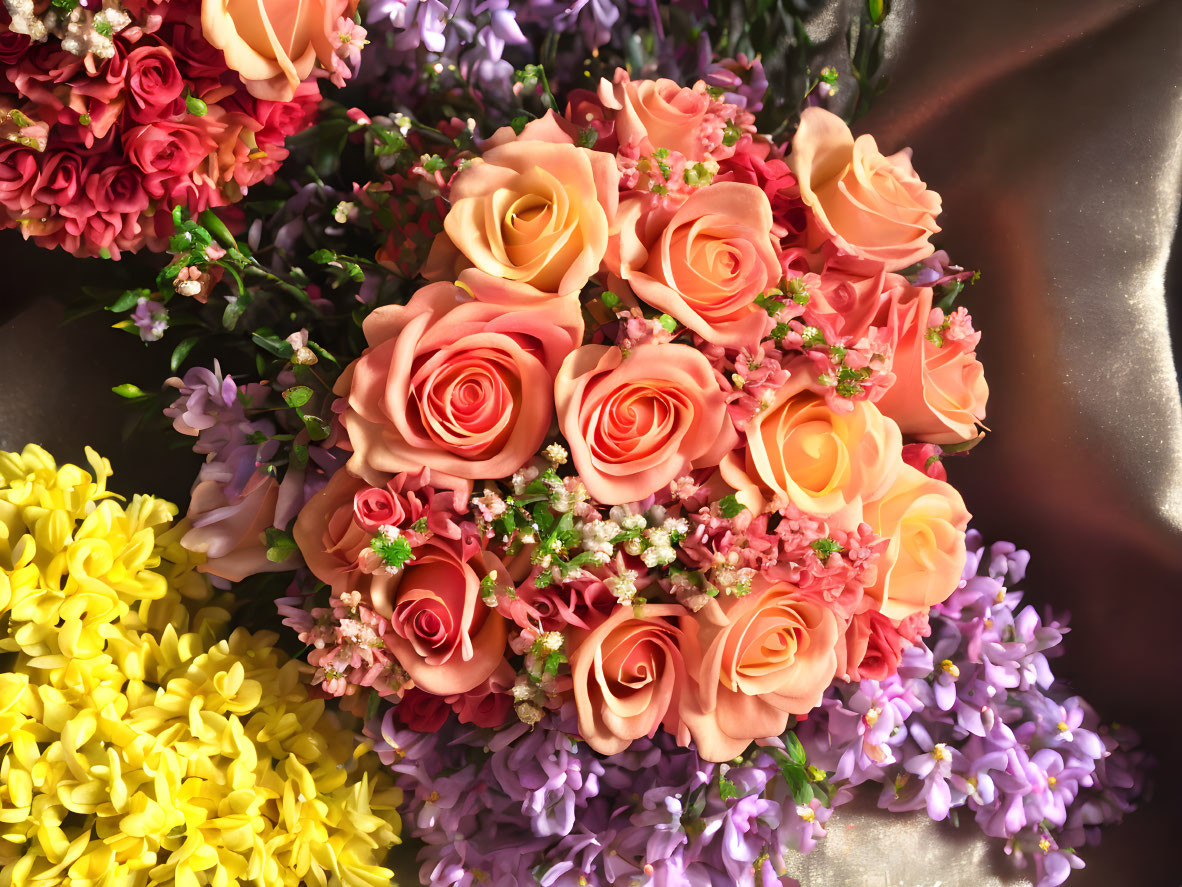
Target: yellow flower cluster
[{"x": 138, "y": 744}]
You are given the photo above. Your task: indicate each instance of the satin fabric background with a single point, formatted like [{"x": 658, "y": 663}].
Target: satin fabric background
[{"x": 1052, "y": 129}]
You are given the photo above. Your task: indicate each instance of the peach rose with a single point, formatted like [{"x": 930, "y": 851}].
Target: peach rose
[
  {"x": 328, "y": 536},
  {"x": 534, "y": 212},
  {"x": 925, "y": 520},
  {"x": 768, "y": 654},
  {"x": 654, "y": 114},
  {"x": 868, "y": 204},
  {"x": 704, "y": 262},
  {"x": 274, "y": 44},
  {"x": 825, "y": 463},
  {"x": 636, "y": 423},
  {"x": 940, "y": 390},
  {"x": 629, "y": 677},
  {"x": 446, "y": 638},
  {"x": 462, "y": 387}
]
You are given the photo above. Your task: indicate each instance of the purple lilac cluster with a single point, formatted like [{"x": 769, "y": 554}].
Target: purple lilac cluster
[
  {"x": 976, "y": 719},
  {"x": 236, "y": 495},
  {"x": 469, "y": 38},
  {"x": 524, "y": 806}
]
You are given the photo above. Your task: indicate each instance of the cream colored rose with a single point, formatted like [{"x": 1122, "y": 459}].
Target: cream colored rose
[{"x": 925, "y": 520}]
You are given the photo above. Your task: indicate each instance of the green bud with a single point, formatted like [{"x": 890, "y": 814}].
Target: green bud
[{"x": 195, "y": 106}]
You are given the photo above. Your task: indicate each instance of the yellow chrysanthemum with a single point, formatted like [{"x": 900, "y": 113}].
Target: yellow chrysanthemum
[{"x": 138, "y": 745}]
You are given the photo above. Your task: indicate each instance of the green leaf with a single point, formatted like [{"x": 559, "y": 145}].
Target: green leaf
[
  {"x": 794, "y": 749},
  {"x": 181, "y": 351},
  {"x": 726, "y": 788},
  {"x": 730, "y": 506},
  {"x": 610, "y": 299},
  {"x": 317, "y": 428},
  {"x": 667, "y": 322},
  {"x": 130, "y": 391},
  {"x": 371, "y": 706},
  {"x": 297, "y": 396},
  {"x": 553, "y": 661},
  {"x": 128, "y": 300},
  {"x": 217, "y": 228},
  {"x": 280, "y": 545},
  {"x": 299, "y": 456},
  {"x": 273, "y": 344},
  {"x": 321, "y": 256}
]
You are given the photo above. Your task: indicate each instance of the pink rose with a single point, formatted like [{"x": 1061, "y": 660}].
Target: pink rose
[
  {"x": 272, "y": 44},
  {"x": 441, "y": 632},
  {"x": 154, "y": 85},
  {"x": 703, "y": 262},
  {"x": 925, "y": 521},
  {"x": 825, "y": 463},
  {"x": 873, "y": 648},
  {"x": 61, "y": 185},
  {"x": 117, "y": 188},
  {"x": 760, "y": 658},
  {"x": 531, "y": 212},
  {"x": 165, "y": 152},
  {"x": 846, "y": 297},
  {"x": 753, "y": 166},
  {"x": 926, "y": 458},
  {"x": 634, "y": 424},
  {"x": 19, "y": 168},
  {"x": 940, "y": 390},
  {"x": 230, "y": 532},
  {"x": 629, "y": 677},
  {"x": 462, "y": 387},
  {"x": 337, "y": 524},
  {"x": 873, "y": 206}
]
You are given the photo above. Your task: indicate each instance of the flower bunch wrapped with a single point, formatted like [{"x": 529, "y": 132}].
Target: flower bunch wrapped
[
  {"x": 1030, "y": 761},
  {"x": 141, "y": 744},
  {"x": 658, "y": 440},
  {"x": 115, "y": 115}
]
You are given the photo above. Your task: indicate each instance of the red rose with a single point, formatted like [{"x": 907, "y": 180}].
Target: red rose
[
  {"x": 165, "y": 153},
  {"x": 154, "y": 84},
  {"x": 421, "y": 711}
]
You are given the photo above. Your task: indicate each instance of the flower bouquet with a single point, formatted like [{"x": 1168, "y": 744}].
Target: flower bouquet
[{"x": 593, "y": 449}]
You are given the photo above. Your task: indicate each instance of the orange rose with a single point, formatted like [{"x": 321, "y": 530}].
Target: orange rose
[
  {"x": 868, "y": 204},
  {"x": 760, "y": 658},
  {"x": 462, "y": 387},
  {"x": 704, "y": 262},
  {"x": 634, "y": 424},
  {"x": 825, "y": 463},
  {"x": 532, "y": 212},
  {"x": 925, "y": 520},
  {"x": 274, "y": 44},
  {"x": 629, "y": 677},
  {"x": 447, "y": 639},
  {"x": 940, "y": 391}
]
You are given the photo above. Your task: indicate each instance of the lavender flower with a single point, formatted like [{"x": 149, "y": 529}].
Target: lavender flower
[{"x": 987, "y": 727}]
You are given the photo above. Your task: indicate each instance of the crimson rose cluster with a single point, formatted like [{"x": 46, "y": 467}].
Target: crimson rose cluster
[
  {"x": 660, "y": 437},
  {"x": 115, "y": 113}
]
